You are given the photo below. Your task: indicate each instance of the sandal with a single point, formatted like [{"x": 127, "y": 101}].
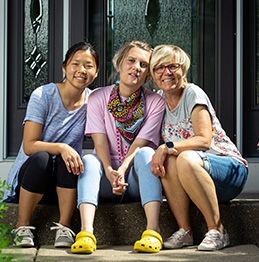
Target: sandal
[
  {"x": 150, "y": 242},
  {"x": 85, "y": 243}
]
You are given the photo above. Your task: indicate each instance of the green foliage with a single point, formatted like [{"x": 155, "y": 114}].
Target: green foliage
[
  {"x": 2, "y": 204},
  {"x": 5, "y": 230}
]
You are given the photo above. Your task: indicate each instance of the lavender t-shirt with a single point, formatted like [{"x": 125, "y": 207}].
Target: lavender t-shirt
[
  {"x": 100, "y": 120},
  {"x": 58, "y": 125}
]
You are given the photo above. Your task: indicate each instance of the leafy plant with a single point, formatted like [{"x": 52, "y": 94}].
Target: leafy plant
[{"x": 5, "y": 230}]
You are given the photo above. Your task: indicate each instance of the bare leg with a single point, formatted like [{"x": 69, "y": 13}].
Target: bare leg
[
  {"x": 87, "y": 214},
  {"x": 176, "y": 196},
  {"x": 85, "y": 241},
  {"x": 67, "y": 203},
  {"x": 150, "y": 241},
  {"x": 200, "y": 187},
  {"x": 152, "y": 214},
  {"x": 27, "y": 204}
]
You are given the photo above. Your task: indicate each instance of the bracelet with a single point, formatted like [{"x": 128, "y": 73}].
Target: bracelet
[{"x": 170, "y": 151}]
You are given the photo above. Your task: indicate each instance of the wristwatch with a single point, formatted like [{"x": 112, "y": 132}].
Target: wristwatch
[{"x": 170, "y": 147}]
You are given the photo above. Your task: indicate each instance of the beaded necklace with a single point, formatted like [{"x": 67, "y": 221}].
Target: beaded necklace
[{"x": 121, "y": 154}]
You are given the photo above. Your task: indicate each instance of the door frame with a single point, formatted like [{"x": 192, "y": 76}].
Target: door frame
[
  {"x": 250, "y": 106},
  {"x": 239, "y": 75},
  {"x": 3, "y": 79}
]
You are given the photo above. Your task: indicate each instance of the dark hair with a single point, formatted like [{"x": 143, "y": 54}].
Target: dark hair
[{"x": 81, "y": 46}]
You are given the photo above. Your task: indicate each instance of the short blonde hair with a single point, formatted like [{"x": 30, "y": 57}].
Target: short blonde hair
[
  {"x": 123, "y": 51},
  {"x": 164, "y": 53}
]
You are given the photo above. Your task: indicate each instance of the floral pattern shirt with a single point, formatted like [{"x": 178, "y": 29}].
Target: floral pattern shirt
[{"x": 177, "y": 124}]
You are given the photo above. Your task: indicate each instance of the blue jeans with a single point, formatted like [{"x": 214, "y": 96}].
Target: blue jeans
[
  {"x": 143, "y": 185},
  {"x": 228, "y": 174}
]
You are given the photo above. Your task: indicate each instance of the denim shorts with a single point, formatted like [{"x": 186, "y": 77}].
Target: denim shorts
[{"x": 228, "y": 174}]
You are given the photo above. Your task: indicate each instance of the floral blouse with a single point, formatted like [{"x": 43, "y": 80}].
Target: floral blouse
[{"x": 177, "y": 124}]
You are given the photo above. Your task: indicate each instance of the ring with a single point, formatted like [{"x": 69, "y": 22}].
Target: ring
[{"x": 158, "y": 168}]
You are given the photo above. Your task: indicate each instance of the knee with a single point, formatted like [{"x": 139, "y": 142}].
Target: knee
[
  {"x": 90, "y": 160},
  {"x": 144, "y": 155},
  {"x": 187, "y": 161},
  {"x": 42, "y": 160},
  {"x": 39, "y": 163},
  {"x": 170, "y": 166},
  {"x": 92, "y": 165}
]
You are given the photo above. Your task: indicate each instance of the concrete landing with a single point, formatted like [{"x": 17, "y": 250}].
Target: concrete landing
[{"x": 240, "y": 253}]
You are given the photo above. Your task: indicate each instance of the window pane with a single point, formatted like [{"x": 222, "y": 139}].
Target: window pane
[
  {"x": 35, "y": 46},
  {"x": 152, "y": 21}
]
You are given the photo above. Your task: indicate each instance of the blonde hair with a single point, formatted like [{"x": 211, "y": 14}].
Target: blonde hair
[
  {"x": 123, "y": 51},
  {"x": 164, "y": 53}
]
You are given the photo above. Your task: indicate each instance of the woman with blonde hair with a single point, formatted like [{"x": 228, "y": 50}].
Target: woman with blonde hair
[
  {"x": 198, "y": 161},
  {"x": 124, "y": 121}
]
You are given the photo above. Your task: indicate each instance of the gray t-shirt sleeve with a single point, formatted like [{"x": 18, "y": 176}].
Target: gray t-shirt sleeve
[
  {"x": 196, "y": 96},
  {"x": 37, "y": 107}
]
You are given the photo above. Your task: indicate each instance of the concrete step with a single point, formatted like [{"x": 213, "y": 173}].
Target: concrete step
[{"x": 123, "y": 224}]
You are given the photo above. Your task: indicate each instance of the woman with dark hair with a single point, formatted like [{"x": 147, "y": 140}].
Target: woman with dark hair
[
  {"x": 124, "y": 121},
  {"x": 47, "y": 166}
]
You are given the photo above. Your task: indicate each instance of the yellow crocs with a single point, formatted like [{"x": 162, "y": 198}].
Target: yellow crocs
[
  {"x": 150, "y": 242},
  {"x": 85, "y": 243}
]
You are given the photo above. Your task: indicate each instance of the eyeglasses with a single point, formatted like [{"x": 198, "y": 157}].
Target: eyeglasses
[{"x": 161, "y": 68}]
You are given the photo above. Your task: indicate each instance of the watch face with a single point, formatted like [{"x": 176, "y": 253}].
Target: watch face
[{"x": 169, "y": 144}]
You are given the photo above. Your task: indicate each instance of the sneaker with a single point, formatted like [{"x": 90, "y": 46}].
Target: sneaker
[
  {"x": 23, "y": 236},
  {"x": 179, "y": 239},
  {"x": 214, "y": 240},
  {"x": 64, "y": 236}
]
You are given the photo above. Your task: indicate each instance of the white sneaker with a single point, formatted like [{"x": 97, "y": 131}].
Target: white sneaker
[
  {"x": 23, "y": 236},
  {"x": 214, "y": 240},
  {"x": 64, "y": 236},
  {"x": 179, "y": 239}
]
